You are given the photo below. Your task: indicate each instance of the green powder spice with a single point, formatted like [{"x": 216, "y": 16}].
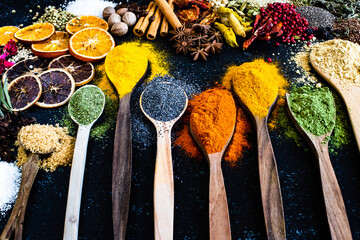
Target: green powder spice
[
  {"x": 87, "y": 104},
  {"x": 314, "y": 109}
]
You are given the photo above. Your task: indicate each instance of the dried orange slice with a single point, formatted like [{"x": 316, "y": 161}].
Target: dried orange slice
[
  {"x": 7, "y": 33},
  {"x": 24, "y": 92},
  {"x": 35, "y": 33},
  {"x": 91, "y": 44},
  {"x": 82, "y": 72},
  {"x": 57, "y": 88},
  {"x": 32, "y": 66},
  {"x": 54, "y": 47},
  {"x": 79, "y": 23}
]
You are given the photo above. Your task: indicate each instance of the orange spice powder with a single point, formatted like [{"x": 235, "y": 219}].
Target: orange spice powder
[{"x": 238, "y": 144}]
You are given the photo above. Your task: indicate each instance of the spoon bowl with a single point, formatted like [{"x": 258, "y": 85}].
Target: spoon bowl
[
  {"x": 163, "y": 179},
  {"x": 78, "y": 167},
  {"x": 335, "y": 209}
]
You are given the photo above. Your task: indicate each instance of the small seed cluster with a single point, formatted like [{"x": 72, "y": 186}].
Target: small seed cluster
[{"x": 57, "y": 16}]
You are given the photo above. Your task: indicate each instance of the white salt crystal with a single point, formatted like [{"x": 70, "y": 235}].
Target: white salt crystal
[
  {"x": 10, "y": 177},
  {"x": 88, "y": 7}
]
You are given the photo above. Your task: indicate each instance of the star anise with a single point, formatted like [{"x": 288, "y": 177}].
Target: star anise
[
  {"x": 215, "y": 35},
  {"x": 200, "y": 38},
  {"x": 178, "y": 33},
  {"x": 183, "y": 44},
  {"x": 200, "y": 28},
  {"x": 199, "y": 53},
  {"x": 213, "y": 47}
]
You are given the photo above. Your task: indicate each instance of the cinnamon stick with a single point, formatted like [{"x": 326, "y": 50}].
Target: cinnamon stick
[
  {"x": 154, "y": 26},
  {"x": 143, "y": 23},
  {"x": 164, "y": 29},
  {"x": 168, "y": 13}
]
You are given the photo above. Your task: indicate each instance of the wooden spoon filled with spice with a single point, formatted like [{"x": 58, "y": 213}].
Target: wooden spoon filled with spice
[
  {"x": 256, "y": 85},
  {"x": 38, "y": 140},
  {"x": 212, "y": 125},
  {"x": 338, "y": 62},
  {"x": 126, "y": 68},
  {"x": 313, "y": 114},
  {"x": 85, "y": 107},
  {"x": 163, "y": 104}
]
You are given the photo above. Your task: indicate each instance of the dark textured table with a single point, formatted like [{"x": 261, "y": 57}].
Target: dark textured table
[{"x": 298, "y": 171}]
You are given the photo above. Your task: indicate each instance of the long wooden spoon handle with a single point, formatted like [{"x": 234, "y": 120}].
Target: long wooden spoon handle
[
  {"x": 352, "y": 101},
  {"x": 121, "y": 171},
  {"x": 163, "y": 187},
  {"x": 218, "y": 207},
  {"x": 270, "y": 185},
  {"x": 29, "y": 172},
  {"x": 334, "y": 203},
  {"x": 76, "y": 183}
]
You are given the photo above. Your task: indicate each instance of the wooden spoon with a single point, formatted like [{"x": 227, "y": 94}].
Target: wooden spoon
[
  {"x": 30, "y": 170},
  {"x": 219, "y": 219},
  {"x": 122, "y": 161},
  {"x": 163, "y": 179},
  {"x": 77, "y": 175},
  {"x": 351, "y": 97},
  {"x": 334, "y": 203},
  {"x": 269, "y": 178}
]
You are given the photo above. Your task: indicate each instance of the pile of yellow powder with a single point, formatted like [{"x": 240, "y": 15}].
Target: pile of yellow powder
[{"x": 44, "y": 138}]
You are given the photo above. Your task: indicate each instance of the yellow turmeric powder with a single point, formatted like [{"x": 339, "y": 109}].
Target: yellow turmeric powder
[
  {"x": 125, "y": 75},
  {"x": 214, "y": 119},
  {"x": 256, "y": 83}
]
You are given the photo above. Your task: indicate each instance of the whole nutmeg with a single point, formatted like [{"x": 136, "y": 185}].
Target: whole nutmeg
[
  {"x": 121, "y": 11},
  {"x": 114, "y": 18},
  {"x": 108, "y": 11},
  {"x": 129, "y": 18},
  {"x": 119, "y": 29}
]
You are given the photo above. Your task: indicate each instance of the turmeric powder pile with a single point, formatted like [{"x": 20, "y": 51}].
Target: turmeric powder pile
[
  {"x": 213, "y": 120},
  {"x": 257, "y": 84},
  {"x": 238, "y": 144}
]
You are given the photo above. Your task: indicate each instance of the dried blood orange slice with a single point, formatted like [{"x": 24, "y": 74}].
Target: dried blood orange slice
[
  {"x": 79, "y": 23},
  {"x": 7, "y": 33},
  {"x": 54, "y": 47},
  {"x": 82, "y": 72},
  {"x": 32, "y": 66},
  {"x": 91, "y": 44},
  {"x": 24, "y": 92},
  {"x": 35, "y": 33},
  {"x": 57, "y": 88}
]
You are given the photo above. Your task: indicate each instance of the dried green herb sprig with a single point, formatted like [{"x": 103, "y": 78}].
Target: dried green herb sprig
[{"x": 4, "y": 98}]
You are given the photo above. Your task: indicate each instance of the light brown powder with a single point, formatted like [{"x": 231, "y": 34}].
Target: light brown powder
[{"x": 61, "y": 156}]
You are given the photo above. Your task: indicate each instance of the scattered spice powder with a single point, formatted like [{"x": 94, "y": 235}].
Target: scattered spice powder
[
  {"x": 340, "y": 59},
  {"x": 62, "y": 154},
  {"x": 239, "y": 142},
  {"x": 257, "y": 83},
  {"x": 213, "y": 120},
  {"x": 314, "y": 109}
]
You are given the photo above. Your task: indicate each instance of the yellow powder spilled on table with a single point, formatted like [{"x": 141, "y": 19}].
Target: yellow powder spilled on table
[
  {"x": 257, "y": 84},
  {"x": 126, "y": 64},
  {"x": 103, "y": 82},
  {"x": 62, "y": 154}
]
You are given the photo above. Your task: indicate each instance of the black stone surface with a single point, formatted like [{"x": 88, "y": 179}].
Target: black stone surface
[{"x": 298, "y": 171}]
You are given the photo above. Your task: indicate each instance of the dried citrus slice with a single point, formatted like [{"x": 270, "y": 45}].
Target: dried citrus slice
[
  {"x": 91, "y": 44},
  {"x": 82, "y": 72},
  {"x": 7, "y": 33},
  {"x": 57, "y": 88},
  {"x": 35, "y": 33},
  {"x": 79, "y": 23},
  {"x": 32, "y": 66},
  {"x": 24, "y": 92},
  {"x": 54, "y": 47}
]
